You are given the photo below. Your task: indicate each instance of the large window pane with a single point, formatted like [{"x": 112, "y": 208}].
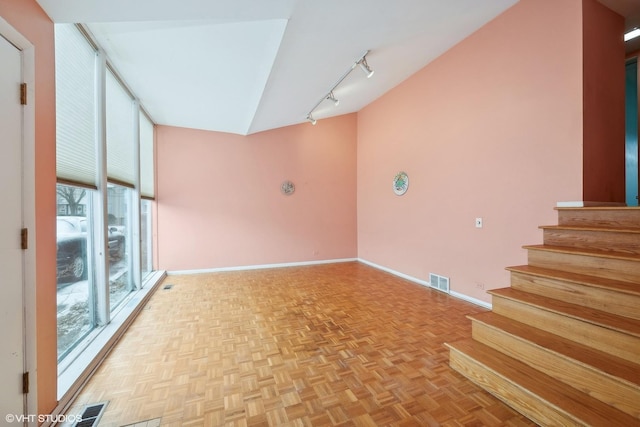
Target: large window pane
[
  {"x": 119, "y": 240},
  {"x": 74, "y": 278}
]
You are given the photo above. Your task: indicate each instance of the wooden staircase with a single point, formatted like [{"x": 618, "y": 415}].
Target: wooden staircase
[{"x": 562, "y": 344}]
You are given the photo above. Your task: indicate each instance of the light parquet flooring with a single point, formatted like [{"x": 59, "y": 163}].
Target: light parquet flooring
[{"x": 327, "y": 345}]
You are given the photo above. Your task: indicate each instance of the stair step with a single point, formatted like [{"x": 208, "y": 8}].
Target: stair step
[
  {"x": 608, "y": 378},
  {"x": 624, "y": 240},
  {"x": 538, "y": 396},
  {"x": 606, "y": 264},
  {"x": 613, "y": 296},
  {"x": 621, "y": 217},
  {"x": 598, "y": 329}
]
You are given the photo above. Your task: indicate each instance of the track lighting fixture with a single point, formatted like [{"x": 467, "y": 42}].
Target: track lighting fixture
[
  {"x": 362, "y": 62},
  {"x": 365, "y": 67},
  {"x": 311, "y": 119},
  {"x": 332, "y": 98}
]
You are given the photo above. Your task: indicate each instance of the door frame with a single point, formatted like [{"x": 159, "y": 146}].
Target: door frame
[{"x": 28, "y": 211}]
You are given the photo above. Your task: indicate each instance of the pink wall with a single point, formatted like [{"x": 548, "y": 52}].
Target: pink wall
[
  {"x": 491, "y": 129},
  {"x": 219, "y": 199},
  {"x": 604, "y": 134},
  {"x": 29, "y": 19}
]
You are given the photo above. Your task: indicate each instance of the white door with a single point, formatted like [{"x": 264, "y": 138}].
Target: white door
[{"x": 12, "y": 400}]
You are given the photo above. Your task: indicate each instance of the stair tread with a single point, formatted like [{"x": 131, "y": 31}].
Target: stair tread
[
  {"x": 585, "y": 355},
  {"x": 559, "y": 395},
  {"x": 633, "y": 230},
  {"x": 583, "y": 251},
  {"x": 582, "y": 279},
  {"x": 601, "y": 318}
]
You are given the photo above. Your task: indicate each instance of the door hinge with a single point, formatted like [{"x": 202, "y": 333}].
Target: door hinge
[
  {"x": 24, "y": 238},
  {"x": 25, "y": 382},
  {"x": 23, "y": 94}
]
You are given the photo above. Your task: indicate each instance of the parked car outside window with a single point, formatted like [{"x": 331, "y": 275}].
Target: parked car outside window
[{"x": 72, "y": 246}]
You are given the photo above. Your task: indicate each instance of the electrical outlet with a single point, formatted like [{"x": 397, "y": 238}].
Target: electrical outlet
[{"x": 478, "y": 222}]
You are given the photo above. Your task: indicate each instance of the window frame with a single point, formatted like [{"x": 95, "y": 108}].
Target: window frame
[{"x": 97, "y": 207}]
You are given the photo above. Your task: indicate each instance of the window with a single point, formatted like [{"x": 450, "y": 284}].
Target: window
[
  {"x": 75, "y": 312},
  {"x": 147, "y": 191},
  {"x": 146, "y": 248},
  {"x": 75, "y": 164},
  {"x": 119, "y": 241},
  {"x": 101, "y": 177},
  {"x": 121, "y": 173}
]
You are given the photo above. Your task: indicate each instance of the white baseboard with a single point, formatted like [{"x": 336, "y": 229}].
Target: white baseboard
[
  {"x": 425, "y": 283},
  {"x": 472, "y": 300},
  {"x": 259, "y": 267}
]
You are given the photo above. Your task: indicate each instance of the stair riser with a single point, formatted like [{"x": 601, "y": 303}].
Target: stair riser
[
  {"x": 619, "y": 218},
  {"x": 585, "y": 239},
  {"x": 601, "y": 299},
  {"x": 603, "y": 387},
  {"x": 523, "y": 401},
  {"x": 607, "y": 340},
  {"x": 612, "y": 268}
]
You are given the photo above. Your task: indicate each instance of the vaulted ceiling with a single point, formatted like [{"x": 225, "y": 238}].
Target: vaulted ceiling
[{"x": 245, "y": 66}]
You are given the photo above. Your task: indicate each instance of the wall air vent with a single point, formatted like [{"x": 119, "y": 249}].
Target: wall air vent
[{"x": 440, "y": 283}]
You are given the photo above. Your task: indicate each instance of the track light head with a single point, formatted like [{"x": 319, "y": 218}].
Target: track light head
[
  {"x": 333, "y": 99},
  {"x": 365, "y": 67},
  {"x": 311, "y": 119}
]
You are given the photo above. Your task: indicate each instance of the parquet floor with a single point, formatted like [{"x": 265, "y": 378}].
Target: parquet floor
[{"x": 327, "y": 345}]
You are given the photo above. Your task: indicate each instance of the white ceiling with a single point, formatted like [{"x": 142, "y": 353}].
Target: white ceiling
[{"x": 245, "y": 66}]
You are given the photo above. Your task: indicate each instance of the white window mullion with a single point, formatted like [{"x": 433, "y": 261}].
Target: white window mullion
[{"x": 101, "y": 211}]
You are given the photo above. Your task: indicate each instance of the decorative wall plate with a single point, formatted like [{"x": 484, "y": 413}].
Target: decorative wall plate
[
  {"x": 287, "y": 188},
  {"x": 400, "y": 183}
]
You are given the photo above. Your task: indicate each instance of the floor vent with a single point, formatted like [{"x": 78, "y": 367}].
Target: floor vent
[
  {"x": 91, "y": 415},
  {"x": 440, "y": 283}
]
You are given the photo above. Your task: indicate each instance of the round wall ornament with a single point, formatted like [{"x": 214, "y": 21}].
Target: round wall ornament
[
  {"x": 400, "y": 183},
  {"x": 287, "y": 188}
]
